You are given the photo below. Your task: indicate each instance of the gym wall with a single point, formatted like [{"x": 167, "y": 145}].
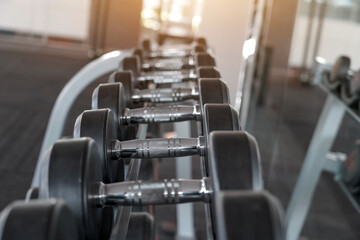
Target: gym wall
[{"x": 226, "y": 21}]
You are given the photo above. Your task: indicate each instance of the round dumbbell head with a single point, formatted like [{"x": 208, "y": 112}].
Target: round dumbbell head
[
  {"x": 116, "y": 97},
  {"x": 38, "y": 219},
  {"x": 72, "y": 171},
  {"x": 201, "y": 41},
  {"x": 100, "y": 125},
  {"x": 208, "y": 72},
  {"x": 110, "y": 95},
  {"x": 199, "y": 49},
  {"x": 204, "y": 60},
  {"x": 248, "y": 215},
  {"x": 112, "y": 169},
  {"x": 339, "y": 73},
  {"x": 132, "y": 64},
  {"x": 138, "y": 52},
  {"x": 234, "y": 161},
  {"x": 220, "y": 117},
  {"x": 146, "y": 45},
  {"x": 213, "y": 90},
  {"x": 127, "y": 80}
]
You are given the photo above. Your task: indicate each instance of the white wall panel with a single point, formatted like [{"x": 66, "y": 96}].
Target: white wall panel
[
  {"x": 224, "y": 24},
  {"x": 59, "y": 18}
]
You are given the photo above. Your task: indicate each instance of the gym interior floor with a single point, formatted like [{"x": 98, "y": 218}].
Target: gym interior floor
[{"x": 30, "y": 83}]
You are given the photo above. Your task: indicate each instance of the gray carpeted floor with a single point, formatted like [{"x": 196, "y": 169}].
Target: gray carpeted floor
[{"x": 29, "y": 85}]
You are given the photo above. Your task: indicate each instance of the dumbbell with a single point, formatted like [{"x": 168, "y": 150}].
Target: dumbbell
[
  {"x": 338, "y": 74},
  {"x": 38, "y": 219},
  {"x": 208, "y": 88},
  {"x": 167, "y": 64},
  {"x": 72, "y": 171},
  {"x": 101, "y": 126},
  {"x": 172, "y": 51},
  {"x": 113, "y": 96},
  {"x": 133, "y": 64},
  {"x": 350, "y": 89}
]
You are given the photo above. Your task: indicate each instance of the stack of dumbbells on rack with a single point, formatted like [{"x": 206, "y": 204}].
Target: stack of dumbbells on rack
[{"x": 89, "y": 182}]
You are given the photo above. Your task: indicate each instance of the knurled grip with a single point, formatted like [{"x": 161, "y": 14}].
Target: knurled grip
[
  {"x": 150, "y": 193},
  {"x": 165, "y": 95},
  {"x": 158, "y": 148},
  {"x": 161, "y": 114}
]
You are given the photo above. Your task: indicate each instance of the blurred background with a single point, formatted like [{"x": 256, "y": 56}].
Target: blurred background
[{"x": 266, "y": 50}]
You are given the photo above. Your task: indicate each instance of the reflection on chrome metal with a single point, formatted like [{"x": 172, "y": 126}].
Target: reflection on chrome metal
[
  {"x": 169, "y": 53},
  {"x": 168, "y": 63},
  {"x": 150, "y": 193},
  {"x": 165, "y": 95},
  {"x": 171, "y": 76},
  {"x": 158, "y": 148},
  {"x": 161, "y": 114}
]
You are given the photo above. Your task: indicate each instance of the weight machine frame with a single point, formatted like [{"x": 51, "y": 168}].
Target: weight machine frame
[{"x": 319, "y": 158}]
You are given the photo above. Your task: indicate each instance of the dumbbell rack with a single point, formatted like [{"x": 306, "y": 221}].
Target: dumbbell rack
[
  {"x": 319, "y": 158},
  {"x": 88, "y": 74}
]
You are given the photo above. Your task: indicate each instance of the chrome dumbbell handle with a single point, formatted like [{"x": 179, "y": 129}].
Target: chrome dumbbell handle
[
  {"x": 167, "y": 77},
  {"x": 150, "y": 193},
  {"x": 158, "y": 148},
  {"x": 161, "y": 114},
  {"x": 169, "y": 64},
  {"x": 165, "y": 95},
  {"x": 169, "y": 53}
]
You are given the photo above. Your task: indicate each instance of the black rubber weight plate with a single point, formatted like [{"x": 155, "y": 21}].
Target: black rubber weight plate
[
  {"x": 73, "y": 175},
  {"x": 208, "y": 72},
  {"x": 218, "y": 117},
  {"x": 213, "y": 90},
  {"x": 234, "y": 162},
  {"x": 132, "y": 64},
  {"x": 100, "y": 125},
  {"x": 126, "y": 78},
  {"x": 112, "y": 95},
  {"x": 39, "y": 219},
  {"x": 248, "y": 215},
  {"x": 205, "y": 60}
]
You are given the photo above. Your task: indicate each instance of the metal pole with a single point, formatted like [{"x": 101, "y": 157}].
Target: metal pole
[
  {"x": 317, "y": 40},
  {"x": 308, "y": 34},
  {"x": 322, "y": 140},
  {"x": 184, "y": 212}
]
